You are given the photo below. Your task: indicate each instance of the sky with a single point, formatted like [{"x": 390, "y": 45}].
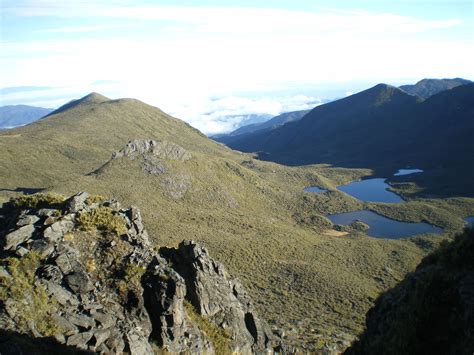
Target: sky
[{"x": 213, "y": 63}]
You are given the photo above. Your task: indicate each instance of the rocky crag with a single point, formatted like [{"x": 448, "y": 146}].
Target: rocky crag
[
  {"x": 150, "y": 154},
  {"x": 80, "y": 274}
]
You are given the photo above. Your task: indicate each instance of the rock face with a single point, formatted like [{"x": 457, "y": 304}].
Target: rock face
[
  {"x": 88, "y": 269},
  {"x": 220, "y": 299},
  {"x": 151, "y": 153}
]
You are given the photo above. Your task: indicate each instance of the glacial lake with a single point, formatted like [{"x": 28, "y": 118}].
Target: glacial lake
[
  {"x": 314, "y": 189},
  {"x": 383, "y": 227},
  {"x": 469, "y": 221},
  {"x": 370, "y": 190},
  {"x": 402, "y": 172}
]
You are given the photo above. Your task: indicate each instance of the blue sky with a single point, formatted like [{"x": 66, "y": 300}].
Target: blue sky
[{"x": 206, "y": 61}]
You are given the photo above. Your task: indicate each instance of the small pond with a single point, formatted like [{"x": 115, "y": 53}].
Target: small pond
[
  {"x": 469, "y": 221},
  {"x": 384, "y": 227},
  {"x": 402, "y": 172},
  {"x": 370, "y": 190},
  {"x": 314, "y": 189}
]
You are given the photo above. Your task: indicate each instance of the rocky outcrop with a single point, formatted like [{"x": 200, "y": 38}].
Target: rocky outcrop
[
  {"x": 83, "y": 271},
  {"x": 220, "y": 299},
  {"x": 152, "y": 154},
  {"x": 431, "y": 311}
]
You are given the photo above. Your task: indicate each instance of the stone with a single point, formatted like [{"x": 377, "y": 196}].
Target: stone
[
  {"x": 67, "y": 260},
  {"x": 138, "y": 344},
  {"x": 106, "y": 320},
  {"x": 27, "y": 219},
  {"x": 115, "y": 343},
  {"x": 15, "y": 238},
  {"x": 79, "y": 282},
  {"x": 47, "y": 212},
  {"x": 79, "y": 340},
  {"x": 81, "y": 320},
  {"x": 220, "y": 299},
  {"x": 65, "y": 325},
  {"x": 101, "y": 336},
  {"x": 56, "y": 231},
  {"x": 61, "y": 295},
  {"x": 42, "y": 247},
  {"x": 77, "y": 202},
  {"x": 4, "y": 274},
  {"x": 51, "y": 272},
  {"x": 20, "y": 251}
]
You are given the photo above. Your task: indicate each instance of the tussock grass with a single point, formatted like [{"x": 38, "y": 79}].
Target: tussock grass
[
  {"x": 217, "y": 336},
  {"x": 101, "y": 218},
  {"x": 39, "y": 200},
  {"x": 32, "y": 305}
]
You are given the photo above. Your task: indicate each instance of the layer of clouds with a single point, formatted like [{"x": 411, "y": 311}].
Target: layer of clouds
[
  {"x": 226, "y": 114},
  {"x": 180, "y": 58},
  {"x": 209, "y": 115}
]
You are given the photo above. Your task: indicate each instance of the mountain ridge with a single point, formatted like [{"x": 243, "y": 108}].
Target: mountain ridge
[
  {"x": 17, "y": 115},
  {"x": 429, "y": 87},
  {"x": 381, "y": 126}
]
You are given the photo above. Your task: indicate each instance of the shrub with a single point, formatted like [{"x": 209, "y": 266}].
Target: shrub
[
  {"x": 95, "y": 199},
  {"x": 30, "y": 301},
  {"x": 39, "y": 200},
  {"x": 101, "y": 218}
]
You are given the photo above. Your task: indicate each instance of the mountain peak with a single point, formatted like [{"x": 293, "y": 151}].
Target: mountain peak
[
  {"x": 92, "y": 98},
  {"x": 382, "y": 93}
]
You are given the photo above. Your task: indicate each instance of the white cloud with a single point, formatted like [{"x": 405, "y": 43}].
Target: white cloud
[
  {"x": 83, "y": 29},
  {"x": 180, "y": 57},
  {"x": 226, "y": 114}
]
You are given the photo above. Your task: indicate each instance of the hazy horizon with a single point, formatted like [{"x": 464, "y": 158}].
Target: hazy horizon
[{"x": 214, "y": 63}]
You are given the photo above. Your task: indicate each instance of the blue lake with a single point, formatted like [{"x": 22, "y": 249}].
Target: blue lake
[
  {"x": 371, "y": 190},
  {"x": 314, "y": 189},
  {"x": 469, "y": 221},
  {"x": 402, "y": 172},
  {"x": 384, "y": 227}
]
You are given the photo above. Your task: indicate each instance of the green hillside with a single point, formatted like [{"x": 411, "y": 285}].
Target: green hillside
[{"x": 431, "y": 311}]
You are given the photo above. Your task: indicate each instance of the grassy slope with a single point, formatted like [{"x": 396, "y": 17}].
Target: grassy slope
[
  {"x": 431, "y": 311},
  {"x": 253, "y": 217}
]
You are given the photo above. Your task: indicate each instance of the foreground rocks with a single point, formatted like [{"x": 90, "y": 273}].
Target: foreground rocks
[{"x": 83, "y": 273}]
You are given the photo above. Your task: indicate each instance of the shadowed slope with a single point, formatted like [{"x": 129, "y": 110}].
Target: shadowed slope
[{"x": 383, "y": 128}]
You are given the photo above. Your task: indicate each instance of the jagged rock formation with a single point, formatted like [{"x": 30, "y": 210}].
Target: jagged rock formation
[
  {"x": 431, "y": 311},
  {"x": 151, "y": 154},
  {"x": 83, "y": 271}
]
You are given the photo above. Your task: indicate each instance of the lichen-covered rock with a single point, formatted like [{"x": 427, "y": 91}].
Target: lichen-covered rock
[
  {"x": 106, "y": 290},
  {"x": 220, "y": 299}
]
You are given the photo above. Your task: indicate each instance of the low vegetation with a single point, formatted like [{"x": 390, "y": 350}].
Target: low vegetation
[
  {"x": 430, "y": 312},
  {"x": 26, "y": 300},
  {"x": 217, "y": 336},
  {"x": 39, "y": 200},
  {"x": 101, "y": 218}
]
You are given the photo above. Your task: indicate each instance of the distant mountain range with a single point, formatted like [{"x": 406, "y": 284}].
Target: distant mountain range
[
  {"x": 263, "y": 126},
  {"x": 429, "y": 87},
  {"x": 424, "y": 89},
  {"x": 19, "y": 115},
  {"x": 383, "y": 128}
]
